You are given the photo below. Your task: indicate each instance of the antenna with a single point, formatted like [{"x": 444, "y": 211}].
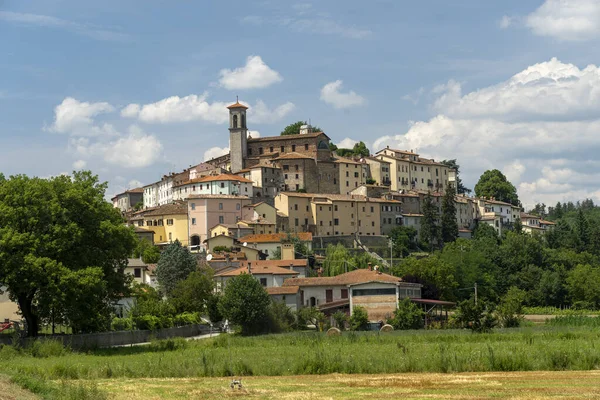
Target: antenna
[{"x": 209, "y": 257}]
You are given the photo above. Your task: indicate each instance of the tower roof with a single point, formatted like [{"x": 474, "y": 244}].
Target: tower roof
[{"x": 237, "y": 104}]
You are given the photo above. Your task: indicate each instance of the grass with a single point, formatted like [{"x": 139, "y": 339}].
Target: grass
[
  {"x": 467, "y": 386},
  {"x": 54, "y": 372}
]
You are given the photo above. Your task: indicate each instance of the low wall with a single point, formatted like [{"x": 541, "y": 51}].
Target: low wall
[{"x": 119, "y": 338}]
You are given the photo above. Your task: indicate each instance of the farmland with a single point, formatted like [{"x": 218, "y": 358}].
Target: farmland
[{"x": 273, "y": 361}]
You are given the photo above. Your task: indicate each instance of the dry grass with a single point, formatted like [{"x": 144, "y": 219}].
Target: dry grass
[
  {"x": 464, "y": 386},
  {"x": 11, "y": 391}
]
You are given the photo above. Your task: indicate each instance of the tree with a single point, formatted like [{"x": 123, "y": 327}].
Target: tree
[
  {"x": 430, "y": 232},
  {"x": 449, "y": 224},
  {"x": 359, "y": 320},
  {"x": 477, "y": 317},
  {"x": 310, "y": 315},
  {"x": 582, "y": 230},
  {"x": 517, "y": 225},
  {"x": 340, "y": 319},
  {"x": 192, "y": 294},
  {"x": 494, "y": 184},
  {"x": 294, "y": 129},
  {"x": 245, "y": 303},
  {"x": 460, "y": 188},
  {"x": 212, "y": 308},
  {"x": 61, "y": 242},
  {"x": 408, "y": 315},
  {"x": 510, "y": 309},
  {"x": 580, "y": 286},
  {"x": 175, "y": 264},
  {"x": 145, "y": 250},
  {"x": 358, "y": 150},
  {"x": 404, "y": 240}
]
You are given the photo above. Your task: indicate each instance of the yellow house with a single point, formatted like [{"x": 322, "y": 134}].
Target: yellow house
[
  {"x": 234, "y": 230},
  {"x": 262, "y": 210},
  {"x": 169, "y": 223}
]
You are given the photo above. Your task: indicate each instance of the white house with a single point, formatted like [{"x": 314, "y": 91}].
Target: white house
[
  {"x": 271, "y": 243},
  {"x": 224, "y": 184}
]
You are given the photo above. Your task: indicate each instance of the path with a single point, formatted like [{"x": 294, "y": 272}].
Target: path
[{"x": 199, "y": 337}]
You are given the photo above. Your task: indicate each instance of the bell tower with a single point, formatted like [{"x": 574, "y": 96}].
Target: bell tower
[{"x": 238, "y": 133}]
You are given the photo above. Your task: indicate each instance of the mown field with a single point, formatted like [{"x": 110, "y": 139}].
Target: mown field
[{"x": 173, "y": 365}]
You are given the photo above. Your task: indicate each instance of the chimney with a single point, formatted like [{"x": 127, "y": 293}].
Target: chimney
[
  {"x": 320, "y": 272},
  {"x": 291, "y": 266},
  {"x": 370, "y": 267},
  {"x": 287, "y": 251},
  {"x": 249, "y": 267}
]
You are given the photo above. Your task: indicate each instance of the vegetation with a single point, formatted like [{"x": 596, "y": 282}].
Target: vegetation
[
  {"x": 294, "y": 129},
  {"x": 145, "y": 250},
  {"x": 460, "y": 188},
  {"x": 339, "y": 260},
  {"x": 430, "y": 230},
  {"x": 477, "y": 316},
  {"x": 510, "y": 309},
  {"x": 358, "y": 150},
  {"x": 359, "y": 320},
  {"x": 175, "y": 264},
  {"x": 494, "y": 184},
  {"x": 63, "y": 250},
  {"x": 449, "y": 226},
  {"x": 408, "y": 315},
  {"x": 192, "y": 294},
  {"x": 245, "y": 303}
]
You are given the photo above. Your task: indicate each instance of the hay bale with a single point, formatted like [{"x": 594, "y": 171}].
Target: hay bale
[
  {"x": 386, "y": 328},
  {"x": 334, "y": 332}
]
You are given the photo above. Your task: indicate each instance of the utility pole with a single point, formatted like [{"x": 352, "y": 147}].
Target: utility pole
[
  {"x": 391, "y": 248},
  {"x": 475, "y": 293}
]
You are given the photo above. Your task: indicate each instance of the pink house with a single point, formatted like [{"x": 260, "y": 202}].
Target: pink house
[{"x": 207, "y": 210}]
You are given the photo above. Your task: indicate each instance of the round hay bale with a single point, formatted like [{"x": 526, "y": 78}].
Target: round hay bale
[
  {"x": 386, "y": 328},
  {"x": 334, "y": 332}
]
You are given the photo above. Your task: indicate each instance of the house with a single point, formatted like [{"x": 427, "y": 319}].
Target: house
[
  {"x": 268, "y": 274},
  {"x": 234, "y": 246},
  {"x": 205, "y": 211},
  {"x": 139, "y": 270},
  {"x": 270, "y": 243},
  {"x": 531, "y": 223},
  {"x": 223, "y": 184},
  {"x": 267, "y": 180},
  {"x": 259, "y": 211},
  {"x": 260, "y": 226},
  {"x": 377, "y": 292},
  {"x": 352, "y": 174},
  {"x": 234, "y": 230},
  {"x": 127, "y": 200},
  {"x": 169, "y": 222},
  {"x": 498, "y": 214}
]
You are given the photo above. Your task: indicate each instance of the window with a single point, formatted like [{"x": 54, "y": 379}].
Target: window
[
  {"x": 296, "y": 166},
  {"x": 170, "y": 236},
  {"x": 295, "y": 221},
  {"x": 336, "y": 221},
  {"x": 283, "y": 149},
  {"x": 356, "y": 174},
  {"x": 235, "y": 121},
  {"x": 344, "y": 293},
  {"x": 221, "y": 219},
  {"x": 306, "y": 208},
  {"x": 334, "y": 181},
  {"x": 137, "y": 272},
  {"x": 321, "y": 223},
  {"x": 371, "y": 208},
  {"x": 306, "y": 146},
  {"x": 297, "y": 187},
  {"x": 238, "y": 205},
  {"x": 271, "y": 149},
  {"x": 249, "y": 152},
  {"x": 260, "y": 150},
  {"x": 170, "y": 221},
  {"x": 286, "y": 167},
  {"x": 347, "y": 174},
  {"x": 220, "y": 206},
  {"x": 193, "y": 221},
  {"x": 296, "y": 207},
  {"x": 222, "y": 184},
  {"x": 372, "y": 223},
  {"x": 141, "y": 222},
  {"x": 296, "y": 176},
  {"x": 373, "y": 292},
  {"x": 293, "y": 147},
  {"x": 305, "y": 221},
  {"x": 335, "y": 208},
  {"x": 347, "y": 184},
  {"x": 263, "y": 282},
  {"x": 285, "y": 176}
]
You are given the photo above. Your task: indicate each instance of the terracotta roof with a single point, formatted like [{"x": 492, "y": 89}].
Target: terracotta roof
[
  {"x": 316, "y": 197},
  {"x": 255, "y": 204},
  {"x": 214, "y": 178},
  {"x": 334, "y": 304},
  {"x": 543, "y": 221},
  {"x": 349, "y": 278},
  {"x": 283, "y": 290},
  {"x": 293, "y": 156},
  {"x": 216, "y": 196},
  {"x": 169, "y": 209},
  {"x": 343, "y": 160},
  {"x": 237, "y": 104},
  {"x": 377, "y": 159},
  {"x": 285, "y": 264},
  {"x": 497, "y": 202},
  {"x": 136, "y": 190},
  {"x": 287, "y": 137},
  {"x": 257, "y": 222},
  {"x": 261, "y": 269},
  {"x": 275, "y": 237},
  {"x": 398, "y": 151},
  {"x": 529, "y": 216}
]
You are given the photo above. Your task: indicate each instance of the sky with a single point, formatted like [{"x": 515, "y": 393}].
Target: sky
[{"x": 133, "y": 90}]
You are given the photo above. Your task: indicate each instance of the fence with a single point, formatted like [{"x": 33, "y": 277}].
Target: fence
[{"x": 118, "y": 338}]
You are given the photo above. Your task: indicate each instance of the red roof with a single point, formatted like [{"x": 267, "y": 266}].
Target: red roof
[
  {"x": 283, "y": 290},
  {"x": 258, "y": 270},
  {"x": 275, "y": 237},
  {"x": 237, "y": 104},
  {"x": 349, "y": 278}
]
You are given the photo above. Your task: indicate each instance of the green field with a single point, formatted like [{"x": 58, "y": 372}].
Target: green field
[{"x": 174, "y": 365}]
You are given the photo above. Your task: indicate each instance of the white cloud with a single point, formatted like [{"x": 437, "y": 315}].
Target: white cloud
[
  {"x": 76, "y": 118},
  {"x": 347, "y": 143},
  {"x": 46, "y": 21},
  {"x": 131, "y": 111},
  {"x": 262, "y": 114},
  {"x": 197, "y": 108},
  {"x": 255, "y": 74},
  {"x": 79, "y": 164},
  {"x": 330, "y": 94},
  {"x": 134, "y": 183},
  {"x": 566, "y": 20},
  {"x": 540, "y": 127},
  {"x": 135, "y": 150},
  {"x": 253, "y": 134},
  {"x": 505, "y": 22},
  {"x": 214, "y": 152}
]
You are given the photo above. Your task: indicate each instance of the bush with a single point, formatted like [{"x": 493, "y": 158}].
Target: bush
[
  {"x": 340, "y": 319},
  {"x": 477, "y": 317},
  {"x": 280, "y": 318},
  {"x": 121, "y": 324},
  {"x": 147, "y": 322},
  {"x": 408, "y": 315},
  {"x": 310, "y": 316},
  {"x": 212, "y": 308},
  {"x": 510, "y": 309},
  {"x": 46, "y": 348},
  {"x": 359, "y": 320},
  {"x": 186, "y": 318}
]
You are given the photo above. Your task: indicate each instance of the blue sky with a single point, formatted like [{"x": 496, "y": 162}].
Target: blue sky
[{"x": 133, "y": 90}]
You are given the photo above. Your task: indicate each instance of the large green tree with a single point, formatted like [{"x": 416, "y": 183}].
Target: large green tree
[
  {"x": 358, "y": 150},
  {"x": 63, "y": 249},
  {"x": 449, "y": 224},
  {"x": 174, "y": 265},
  {"x": 245, "y": 303},
  {"x": 193, "y": 293},
  {"x": 460, "y": 188},
  {"x": 430, "y": 230},
  {"x": 494, "y": 184},
  {"x": 294, "y": 129}
]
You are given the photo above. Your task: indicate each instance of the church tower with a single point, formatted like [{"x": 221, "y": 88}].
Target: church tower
[{"x": 238, "y": 133}]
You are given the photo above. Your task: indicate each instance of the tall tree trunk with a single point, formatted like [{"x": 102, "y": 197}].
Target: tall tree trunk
[{"x": 25, "y": 304}]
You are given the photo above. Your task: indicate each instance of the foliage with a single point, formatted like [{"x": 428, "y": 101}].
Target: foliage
[
  {"x": 359, "y": 150},
  {"x": 294, "y": 129},
  {"x": 430, "y": 230},
  {"x": 245, "y": 303},
  {"x": 150, "y": 311},
  {"x": 186, "y": 318},
  {"x": 219, "y": 249},
  {"x": 581, "y": 288},
  {"x": 63, "y": 250},
  {"x": 310, "y": 316},
  {"x": 449, "y": 229},
  {"x": 436, "y": 276},
  {"x": 477, "y": 317},
  {"x": 121, "y": 324},
  {"x": 338, "y": 260},
  {"x": 404, "y": 240},
  {"x": 408, "y": 315},
  {"x": 510, "y": 309},
  {"x": 340, "y": 319},
  {"x": 494, "y": 184},
  {"x": 145, "y": 250},
  {"x": 280, "y": 318},
  {"x": 175, "y": 264},
  {"x": 212, "y": 308},
  {"x": 192, "y": 293},
  {"x": 359, "y": 320},
  {"x": 370, "y": 181}
]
